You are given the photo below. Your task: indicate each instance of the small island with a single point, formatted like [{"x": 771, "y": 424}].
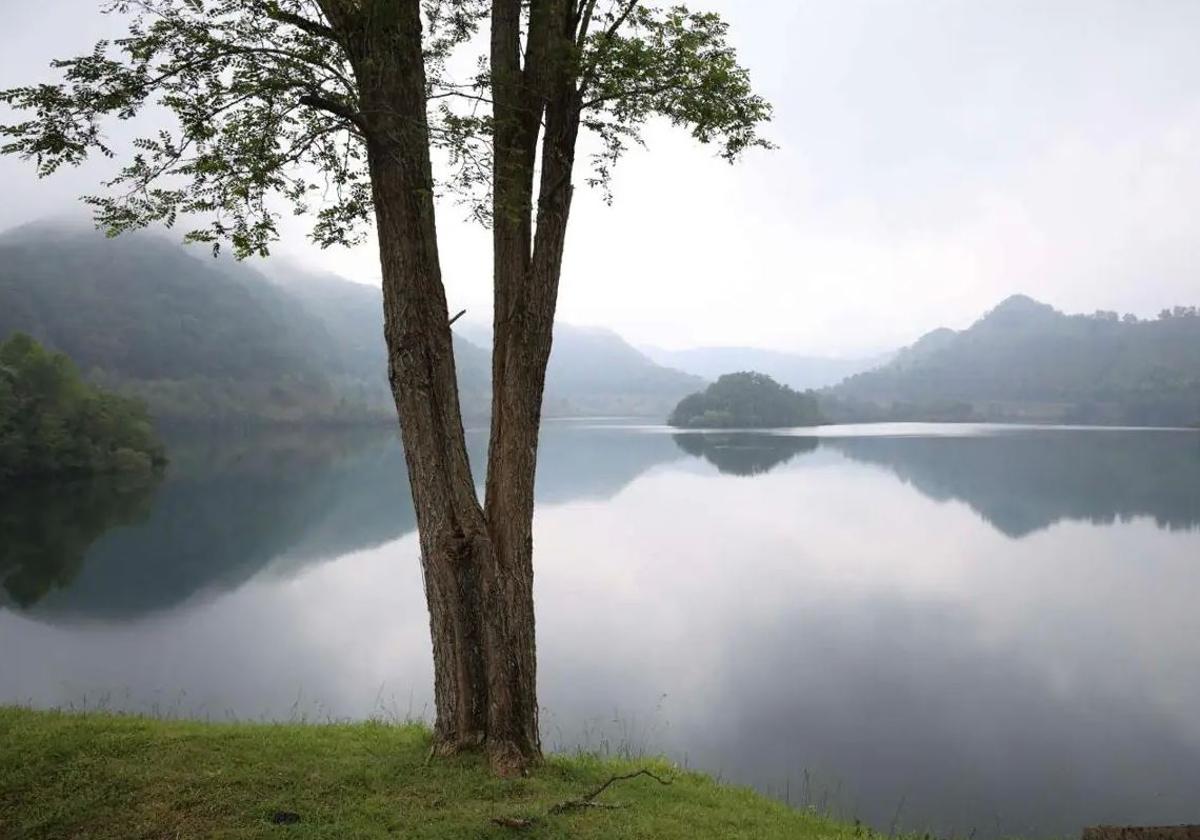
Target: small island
[
  {"x": 53, "y": 423},
  {"x": 746, "y": 400}
]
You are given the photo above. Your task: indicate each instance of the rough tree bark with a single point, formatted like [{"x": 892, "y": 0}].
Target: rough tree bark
[
  {"x": 384, "y": 44},
  {"x": 526, "y": 269},
  {"x": 477, "y": 560}
]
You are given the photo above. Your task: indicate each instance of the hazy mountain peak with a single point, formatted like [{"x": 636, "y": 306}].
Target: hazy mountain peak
[{"x": 1018, "y": 309}]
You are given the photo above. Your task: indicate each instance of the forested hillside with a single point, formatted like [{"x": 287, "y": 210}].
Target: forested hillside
[
  {"x": 1026, "y": 361},
  {"x": 200, "y": 340},
  {"x": 215, "y": 341}
]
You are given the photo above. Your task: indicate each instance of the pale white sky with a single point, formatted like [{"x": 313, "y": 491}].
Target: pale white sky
[{"x": 935, "y": 156}]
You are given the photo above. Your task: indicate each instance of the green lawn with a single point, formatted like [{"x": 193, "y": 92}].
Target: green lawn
[{"x": 101, "y": 776}]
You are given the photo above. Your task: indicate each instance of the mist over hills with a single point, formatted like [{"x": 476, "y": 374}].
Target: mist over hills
[
  {"x": 215, "y": 341},
  {"x": 593, "y": 371},
  {"x": 799, "y": 372},
  {"x": 1025, "y": 361}
]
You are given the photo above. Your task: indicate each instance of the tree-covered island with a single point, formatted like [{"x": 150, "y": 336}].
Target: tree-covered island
[{"x": 746, "y": 401}]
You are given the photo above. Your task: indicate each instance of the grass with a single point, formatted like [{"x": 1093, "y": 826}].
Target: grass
[{"x": 100, "y": 776}]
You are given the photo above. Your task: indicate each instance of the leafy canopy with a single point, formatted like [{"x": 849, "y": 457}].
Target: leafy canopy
[{"x": 265, "y": 109}]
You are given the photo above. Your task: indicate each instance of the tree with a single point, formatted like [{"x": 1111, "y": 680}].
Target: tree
[{"x": 339, "y": 107}]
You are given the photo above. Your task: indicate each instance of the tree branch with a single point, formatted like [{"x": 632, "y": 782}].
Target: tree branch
[
  {"x": 605, "y": 37},
  {"x": 341, "y": 13},
  {"x": 653, "y": 90},
  {"x": 588, "y": 800},
  {"x": 583, "y": 21},
  {"x": 620, "y": 20},
  {"x": 312, "y": 27},
  {"x": 331, "y": 106}
]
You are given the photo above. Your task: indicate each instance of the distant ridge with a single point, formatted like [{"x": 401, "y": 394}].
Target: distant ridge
[
  {"x": 797, "y": 371},
  {"x": 1026, "y": 361},
  {"x": 593, "y": 371},
  {"x": 206, "y": 340}
]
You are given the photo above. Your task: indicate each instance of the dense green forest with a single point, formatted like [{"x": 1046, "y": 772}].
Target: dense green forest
[
  {"x": 52, "y": 423},
  {"x": 746, "y": 401},
  {"x": 218, "y": 342},
  {"x": 1027, "y": 362}
]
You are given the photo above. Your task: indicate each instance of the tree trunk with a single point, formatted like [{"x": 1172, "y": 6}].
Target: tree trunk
[
  {"x": 450, "y": 521},
  {"x": 526, "y": 270},
  {"x": 477, "y": 569}
]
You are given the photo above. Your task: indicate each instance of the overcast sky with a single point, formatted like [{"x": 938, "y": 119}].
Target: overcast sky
[{"x": 934, "y": 157}]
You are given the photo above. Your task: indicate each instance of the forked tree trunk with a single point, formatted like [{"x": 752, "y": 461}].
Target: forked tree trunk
[{"x": 477, "y": 568}]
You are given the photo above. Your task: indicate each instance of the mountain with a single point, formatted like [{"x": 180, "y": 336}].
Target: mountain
[
  {"x": 216, "y": 341},
  {"x": 1025, "y": 361},
  {"x": 593, "y": 371},
  {"x": 198, "y": 339},
  {"x": 352, "y": 316},
  {"x": 147, "y": 308},
  {"x": 802, "y": 373}
]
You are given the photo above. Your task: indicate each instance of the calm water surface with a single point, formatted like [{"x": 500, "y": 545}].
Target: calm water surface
[{"x": 956, "y": 629}]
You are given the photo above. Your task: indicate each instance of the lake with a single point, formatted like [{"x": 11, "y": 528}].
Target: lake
[{"x": 961, "y": 629}]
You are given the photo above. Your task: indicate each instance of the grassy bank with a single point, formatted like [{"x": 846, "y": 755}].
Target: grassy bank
[{"x": 102, "y": 776}]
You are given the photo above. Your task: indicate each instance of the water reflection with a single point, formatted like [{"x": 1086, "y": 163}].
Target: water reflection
[
  {"x": 744, "y": 453},
  {"x": 228, "y": 509},
  {"x": 855, "y": 624},
  {"x": 234, "y": 507},
  {"x": 1019, "y": 481},
  {"x": 46, "y": 530},
  {"x": 1024, "y": 481}
]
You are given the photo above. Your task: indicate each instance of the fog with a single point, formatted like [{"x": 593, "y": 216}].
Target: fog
[{"x": 933, "y": 158}]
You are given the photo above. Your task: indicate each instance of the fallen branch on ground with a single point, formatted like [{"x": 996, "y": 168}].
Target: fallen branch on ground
[
  {"x": 588, "y": 801},
  {"x": 585, "y": 801}
]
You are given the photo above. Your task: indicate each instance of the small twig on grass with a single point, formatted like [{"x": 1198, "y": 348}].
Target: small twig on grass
[
  {"x": 585, "y": 801},
  {"x": 588, "y": 801}
]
